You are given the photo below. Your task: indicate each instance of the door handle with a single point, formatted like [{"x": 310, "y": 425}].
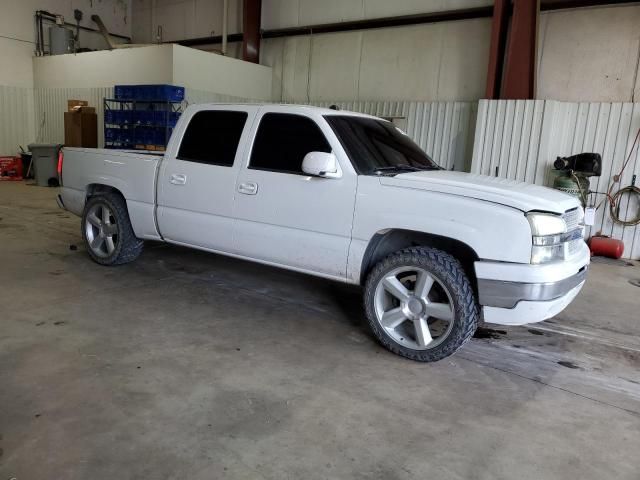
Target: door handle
[
  {"x": 248, "y": 188},
  {"x": 178, "y": 179}
]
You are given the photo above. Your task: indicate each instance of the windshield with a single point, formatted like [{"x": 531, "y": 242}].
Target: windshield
[{"x": 377, "y": 147}]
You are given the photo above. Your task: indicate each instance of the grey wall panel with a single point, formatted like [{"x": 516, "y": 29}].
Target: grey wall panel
[
  {"x": 520, "y": 139},
  {"x": 16, "y": 119},
  {"x": 443, "y": 129},
  {"x": 51, "y": 103}
]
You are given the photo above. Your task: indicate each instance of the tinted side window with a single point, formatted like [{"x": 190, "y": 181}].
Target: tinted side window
[
  {"x": 212, "y": 137},
  {"x": 283, "y": 140}
]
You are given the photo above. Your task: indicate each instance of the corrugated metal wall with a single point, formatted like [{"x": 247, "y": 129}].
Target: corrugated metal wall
[
  {"x": 444, "y": 130},
  {"x": 51, "y": 103},
  {"x": 200, "y": 96},
  {"x": 16, "y": 119},
  {"x": 520, "y": 139}
]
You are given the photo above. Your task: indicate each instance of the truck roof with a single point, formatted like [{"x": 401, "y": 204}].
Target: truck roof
[{"x": 284, "y": 107}]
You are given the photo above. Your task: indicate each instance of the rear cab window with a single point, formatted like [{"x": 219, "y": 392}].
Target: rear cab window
[{"x": 212, "y": 137}]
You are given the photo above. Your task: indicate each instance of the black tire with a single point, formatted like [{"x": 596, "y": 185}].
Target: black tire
[
  {"x": 450, "y": 273},
  {"x": 127, "y": 246}
]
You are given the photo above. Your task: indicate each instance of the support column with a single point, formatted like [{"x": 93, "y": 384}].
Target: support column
[
  {"x": 251, "y": 30},
  {"x": 499, "y": 29},
  {"x": 520, "y": 62}
]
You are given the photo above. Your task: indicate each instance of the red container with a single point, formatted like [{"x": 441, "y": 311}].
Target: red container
[
  {"x": 606, "y": 247},
  {"x": 10, "y": 168}
]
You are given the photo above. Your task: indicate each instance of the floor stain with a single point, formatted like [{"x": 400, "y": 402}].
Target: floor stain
[
  {"x": 484, "y": 332},
  {"x": 567, "y": 364}
]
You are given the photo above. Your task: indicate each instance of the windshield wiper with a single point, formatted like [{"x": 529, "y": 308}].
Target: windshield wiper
[{"x": 407, "y": 168}]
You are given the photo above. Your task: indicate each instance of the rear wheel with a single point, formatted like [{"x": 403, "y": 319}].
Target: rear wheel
[
  {"x": 107, "y": 230},
  {"x": 420, "y": 304}
]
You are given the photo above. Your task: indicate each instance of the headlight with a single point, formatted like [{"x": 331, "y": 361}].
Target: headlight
[
  {"x": 548, "y": 232},
  {"x": 543, "y": 224}
]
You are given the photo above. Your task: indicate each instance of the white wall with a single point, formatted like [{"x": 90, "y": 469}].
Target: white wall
[
  {"x": 443, "y": 61},
  {"x": 590, "y": 54},
  {"x": 214, "y": 73},
  {"x": 17, "y": 46},
  {"x": 168, "y": 63},
  {"x": 17, "y": 30},
  {"x": 181, "y": 19},
  {"x": 105, "y": 68},
  {"x": 587, "y": 54},
  {"x": 427, "y": 62},
  {"x": 294, "y": 13}
]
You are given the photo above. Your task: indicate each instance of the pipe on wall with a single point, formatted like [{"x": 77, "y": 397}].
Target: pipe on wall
[{"x": 225, "y": 23}]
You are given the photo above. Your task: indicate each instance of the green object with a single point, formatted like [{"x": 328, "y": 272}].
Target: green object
[{"x": 575, "y": 185}]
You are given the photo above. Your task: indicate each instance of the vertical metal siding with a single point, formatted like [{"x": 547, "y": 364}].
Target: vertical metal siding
[
  {"x": 443, "y": 129},
  {"x": 200, "y": 96},
  {"x": 16, "y": 119},
  {"x": 520, "y": 139},
  {"x": 51, "y": 103}
]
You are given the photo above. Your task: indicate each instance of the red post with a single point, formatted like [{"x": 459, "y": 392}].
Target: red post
[
  {"x": 520, "y": 62},
  {"x": 251, "y": 30},
  {"x": 499, "y": 29}
]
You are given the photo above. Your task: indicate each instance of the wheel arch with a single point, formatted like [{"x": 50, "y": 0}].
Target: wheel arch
[
  {"x": 386, "y": 242},
  {"x": 99, "y": 188}
]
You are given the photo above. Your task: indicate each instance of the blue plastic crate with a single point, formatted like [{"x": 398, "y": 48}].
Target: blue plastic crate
[
  {"x": 110, "y": 116},
  {"x": 126, "y": 136},
  {"x": 123, "y": 92},
  {"x": 164, "y": 93},
  {"x": 112, "y": 135},
  {"x": 173, "y": 119}
]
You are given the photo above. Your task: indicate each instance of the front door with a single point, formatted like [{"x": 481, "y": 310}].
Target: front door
[
  {"x": 197, "y": 180},
  {"x": 285, "y": 216}
]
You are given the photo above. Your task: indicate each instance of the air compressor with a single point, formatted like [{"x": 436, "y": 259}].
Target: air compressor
[{"x": 573, "y": 173}]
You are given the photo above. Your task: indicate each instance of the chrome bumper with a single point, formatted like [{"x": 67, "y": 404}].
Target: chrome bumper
[{"x": 501, "y": 294}]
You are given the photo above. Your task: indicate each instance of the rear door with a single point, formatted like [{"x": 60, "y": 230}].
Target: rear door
[
  {"x": 285, "y": 216},
  {"x": 197, "y": 179}
]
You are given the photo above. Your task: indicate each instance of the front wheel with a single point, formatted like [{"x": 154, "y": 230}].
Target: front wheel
[
  {"x": 107, "y": 231},
  {"x": 420, "y": 304}
]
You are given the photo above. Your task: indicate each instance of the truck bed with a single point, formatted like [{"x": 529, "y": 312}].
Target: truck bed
[{"x": 132, "y": 173}]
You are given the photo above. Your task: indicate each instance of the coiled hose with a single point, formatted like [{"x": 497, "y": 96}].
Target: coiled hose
[{"x": 614, "y": 206}]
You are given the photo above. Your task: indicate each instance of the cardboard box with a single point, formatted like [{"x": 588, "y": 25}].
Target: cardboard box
[
  {"x": 80, "y": 129},
  {"x": 72, "y": 104}
]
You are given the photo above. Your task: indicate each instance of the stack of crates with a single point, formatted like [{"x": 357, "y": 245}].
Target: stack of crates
[{"x": 142, "y": 116}]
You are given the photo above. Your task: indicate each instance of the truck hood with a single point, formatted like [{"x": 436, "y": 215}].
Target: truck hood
[{"x": 520, "y": 195}]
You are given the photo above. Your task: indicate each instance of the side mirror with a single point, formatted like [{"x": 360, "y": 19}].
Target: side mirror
[{"x": 321, "y": 164}]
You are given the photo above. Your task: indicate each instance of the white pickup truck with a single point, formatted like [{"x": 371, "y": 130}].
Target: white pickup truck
[{"x": 344, "y": 196}]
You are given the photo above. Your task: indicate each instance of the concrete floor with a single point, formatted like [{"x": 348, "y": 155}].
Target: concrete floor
[{"x": 194, "y": 366}]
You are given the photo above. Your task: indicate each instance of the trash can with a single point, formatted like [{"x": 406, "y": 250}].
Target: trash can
[{"x": 45, "y": 163}]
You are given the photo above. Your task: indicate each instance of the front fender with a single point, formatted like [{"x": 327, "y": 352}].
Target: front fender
[{"x": 495, "y": 232}]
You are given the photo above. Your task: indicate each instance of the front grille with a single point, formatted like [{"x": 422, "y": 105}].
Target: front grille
[
  {"x": 573, "y": 218},
  {"x": 573, "y": 246}
]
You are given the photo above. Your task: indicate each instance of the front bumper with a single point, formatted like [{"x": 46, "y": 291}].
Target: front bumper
[
  {"x": 517, "y": 294},
  {"x": 505, "y": 294}
]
